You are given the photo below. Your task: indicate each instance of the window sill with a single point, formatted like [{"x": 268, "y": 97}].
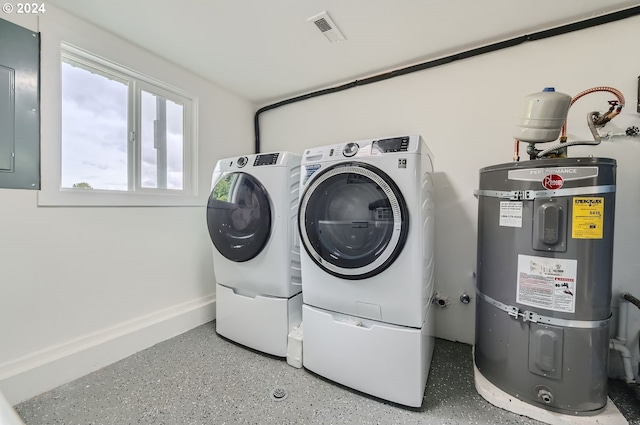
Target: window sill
[{"x": 94, "y": 198}]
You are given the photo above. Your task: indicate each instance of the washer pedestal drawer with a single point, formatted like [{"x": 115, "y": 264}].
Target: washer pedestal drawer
[
  {"x": 384, "y": 360},
  {"x": 261, "y": 322}
]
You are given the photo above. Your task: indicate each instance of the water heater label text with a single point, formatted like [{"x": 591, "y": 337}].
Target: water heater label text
[{"x": 567, "y": 173}]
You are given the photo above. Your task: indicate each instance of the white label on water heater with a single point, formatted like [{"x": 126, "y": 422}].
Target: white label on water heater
[
  {"x": 510, "y": 213},
  {"x": 548, "y": 283}
]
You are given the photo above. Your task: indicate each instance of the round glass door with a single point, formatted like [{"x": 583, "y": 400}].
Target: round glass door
[
  {"x": 353, "y": 220},
  {"x": 239, "y": 216}
]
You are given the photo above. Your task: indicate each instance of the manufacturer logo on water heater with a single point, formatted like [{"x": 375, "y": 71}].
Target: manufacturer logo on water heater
[{"x": 552, "y": 181}]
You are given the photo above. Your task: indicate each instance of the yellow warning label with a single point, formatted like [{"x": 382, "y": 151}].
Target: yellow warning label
[{"x": 588, "y": 218}]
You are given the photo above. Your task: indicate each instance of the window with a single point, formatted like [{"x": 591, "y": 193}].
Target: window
[{"x": 122, "y": 132}]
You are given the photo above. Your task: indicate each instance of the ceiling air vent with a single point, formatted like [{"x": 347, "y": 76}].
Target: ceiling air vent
[{"x": 327, "y": 27}]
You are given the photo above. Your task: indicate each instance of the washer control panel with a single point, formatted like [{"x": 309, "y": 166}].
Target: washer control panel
[{"x": 396, "y": 144}]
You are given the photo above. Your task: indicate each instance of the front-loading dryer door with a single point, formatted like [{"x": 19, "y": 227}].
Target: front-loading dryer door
[
  {"x": 239, "y": 216},
  {"x": 353, "y": 220}
]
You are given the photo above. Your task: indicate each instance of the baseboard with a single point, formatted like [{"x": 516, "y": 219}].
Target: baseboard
[{"x": 28, "y": 376}]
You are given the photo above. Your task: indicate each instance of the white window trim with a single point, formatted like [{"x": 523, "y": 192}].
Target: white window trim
[{"x": 52, "y": 193}]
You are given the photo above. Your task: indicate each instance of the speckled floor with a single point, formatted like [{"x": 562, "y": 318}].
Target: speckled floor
[{"x": 200, "y": 378}]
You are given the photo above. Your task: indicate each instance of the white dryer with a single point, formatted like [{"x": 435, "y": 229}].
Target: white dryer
[
  {"x": 366, "y": 222},
  {"x": 251, "y": 216}
]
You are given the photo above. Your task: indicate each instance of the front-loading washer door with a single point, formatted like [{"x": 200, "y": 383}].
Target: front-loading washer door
[
  {"x": 353, "y": 220},
  {"x": 239, "y": 216}
]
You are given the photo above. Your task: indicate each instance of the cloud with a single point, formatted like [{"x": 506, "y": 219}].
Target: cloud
[
  {"x": 95, "y": 93},
  {"x": 95, "y": 133}
]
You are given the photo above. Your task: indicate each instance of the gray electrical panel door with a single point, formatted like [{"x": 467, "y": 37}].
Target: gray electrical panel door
[{"x": 19, "y": 107}]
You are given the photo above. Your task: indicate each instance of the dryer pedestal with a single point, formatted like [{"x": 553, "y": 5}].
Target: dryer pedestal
[
  {"x": 262, "y": 322},
  {"x": 384, "y": 360}
]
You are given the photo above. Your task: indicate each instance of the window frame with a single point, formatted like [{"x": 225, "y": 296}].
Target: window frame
[
  {"x": 138, "y": 87},
  {"x": 136, "y": 194}
]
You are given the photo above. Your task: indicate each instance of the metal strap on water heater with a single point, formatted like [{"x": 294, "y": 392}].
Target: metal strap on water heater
[
  {"x": 530, "y": 316},
  {"x": 528, "y": 195}
]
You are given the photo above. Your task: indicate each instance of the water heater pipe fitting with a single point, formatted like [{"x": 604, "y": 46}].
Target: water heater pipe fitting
[
  {"x": 618, "y": 343},
  {"x": 626, "y": 360},
  {"x": 440, "y": 300}
]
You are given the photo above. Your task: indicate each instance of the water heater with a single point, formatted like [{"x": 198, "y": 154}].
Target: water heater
[
  {"x": 545, "y": 247},
  {"x": 544, "y": 265}
]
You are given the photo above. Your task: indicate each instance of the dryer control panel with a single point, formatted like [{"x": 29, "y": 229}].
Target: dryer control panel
[
  {"x": 266, "y": 159},
  {"x": 398, "y": 145}
]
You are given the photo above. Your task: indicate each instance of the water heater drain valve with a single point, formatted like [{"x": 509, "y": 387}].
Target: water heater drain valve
[{"x": 545, "y": 396}]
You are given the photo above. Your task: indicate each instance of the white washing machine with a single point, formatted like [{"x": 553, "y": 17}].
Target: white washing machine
[
  {"x": 251, "y": 216},
  {"x": 366, "y": 222}
]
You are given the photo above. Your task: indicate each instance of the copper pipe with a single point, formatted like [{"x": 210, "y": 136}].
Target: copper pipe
[{"x": 617, "y": 93}]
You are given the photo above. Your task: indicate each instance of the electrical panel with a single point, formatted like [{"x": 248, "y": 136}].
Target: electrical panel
[{"x": 19, "y": 107}]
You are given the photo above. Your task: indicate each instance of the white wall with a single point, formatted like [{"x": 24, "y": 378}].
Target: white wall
[
  {"x": 83, "y": 287},
  {"x": 466, "y": 111}
]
